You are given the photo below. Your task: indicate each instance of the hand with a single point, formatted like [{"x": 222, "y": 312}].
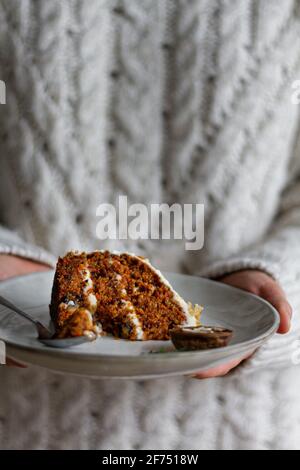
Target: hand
[
  {"x": 261, "y": 284},
  {"x": 11, "y": 266}
]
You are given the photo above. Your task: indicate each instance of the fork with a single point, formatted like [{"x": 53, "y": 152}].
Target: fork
[{"x": 44, "y": 333}]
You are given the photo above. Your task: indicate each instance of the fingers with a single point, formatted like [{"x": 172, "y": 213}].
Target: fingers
[
  {"x": 264, "y": 286},
  {"x": 285, "y": 312},
  {"x": 218, "y": 371},
  {"x": 12, "y": 363},
  {"x": 11, "y": 266},
  {"x": 274, "y": 294},
  {"x": 222, "y": 370}
]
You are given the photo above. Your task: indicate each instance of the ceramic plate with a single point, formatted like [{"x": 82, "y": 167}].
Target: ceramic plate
[{"x": 253, "y": 320}]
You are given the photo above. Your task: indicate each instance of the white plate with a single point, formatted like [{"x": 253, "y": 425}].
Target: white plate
[{"x": 252, "y": 319}]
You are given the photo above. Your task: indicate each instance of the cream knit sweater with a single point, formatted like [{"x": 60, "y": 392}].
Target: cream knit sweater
[{"x": 164, "y": 101}]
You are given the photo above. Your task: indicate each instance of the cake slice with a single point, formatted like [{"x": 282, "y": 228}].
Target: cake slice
[{"x": 116, "y": 293}]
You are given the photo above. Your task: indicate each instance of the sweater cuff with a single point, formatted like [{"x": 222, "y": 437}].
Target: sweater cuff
[
  {"x": 12, "y": 244},
  {"x": 230, "y": 266},
  {"x": 281, "y": 350}
]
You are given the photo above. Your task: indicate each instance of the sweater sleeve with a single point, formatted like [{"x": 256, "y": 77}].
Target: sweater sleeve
[
  {"x": 11, "y": 243},
  {"x": 279, "y": 256}
]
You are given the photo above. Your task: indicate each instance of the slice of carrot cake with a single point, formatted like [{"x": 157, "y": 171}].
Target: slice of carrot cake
[{"x": 116, "y": 293}]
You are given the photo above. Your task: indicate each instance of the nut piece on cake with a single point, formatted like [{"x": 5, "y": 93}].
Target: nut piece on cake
[
  {"x": 200, "y": 337},
  {"x": 116, "y": 293},
  {"x": 79, "y": 323}
]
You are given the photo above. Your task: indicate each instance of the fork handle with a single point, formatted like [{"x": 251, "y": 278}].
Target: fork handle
[{"x": 11, "y": 306}]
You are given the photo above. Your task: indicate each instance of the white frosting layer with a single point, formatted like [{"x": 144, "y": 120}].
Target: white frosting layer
[
  {"x": 133, "y": 318},
  {"x": 91, "y": 299},
  {"x": 200, "y": 329},
  {"x": 190, "y": 319},
  {"x": 137, "y": 325}
]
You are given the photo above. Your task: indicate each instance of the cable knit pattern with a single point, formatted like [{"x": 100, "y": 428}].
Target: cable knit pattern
[
  {"x": 138, "y": 64},
  {"x": 164, "y": 101}
]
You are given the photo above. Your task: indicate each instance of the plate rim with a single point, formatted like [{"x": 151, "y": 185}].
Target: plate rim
[{"x": 257, "y": 341}]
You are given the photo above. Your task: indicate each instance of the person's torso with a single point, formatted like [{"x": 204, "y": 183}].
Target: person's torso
[{"x": 175, "y": 102}]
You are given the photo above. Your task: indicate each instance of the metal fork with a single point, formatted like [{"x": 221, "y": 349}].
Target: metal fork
[{"x": 44, "y": 333}]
